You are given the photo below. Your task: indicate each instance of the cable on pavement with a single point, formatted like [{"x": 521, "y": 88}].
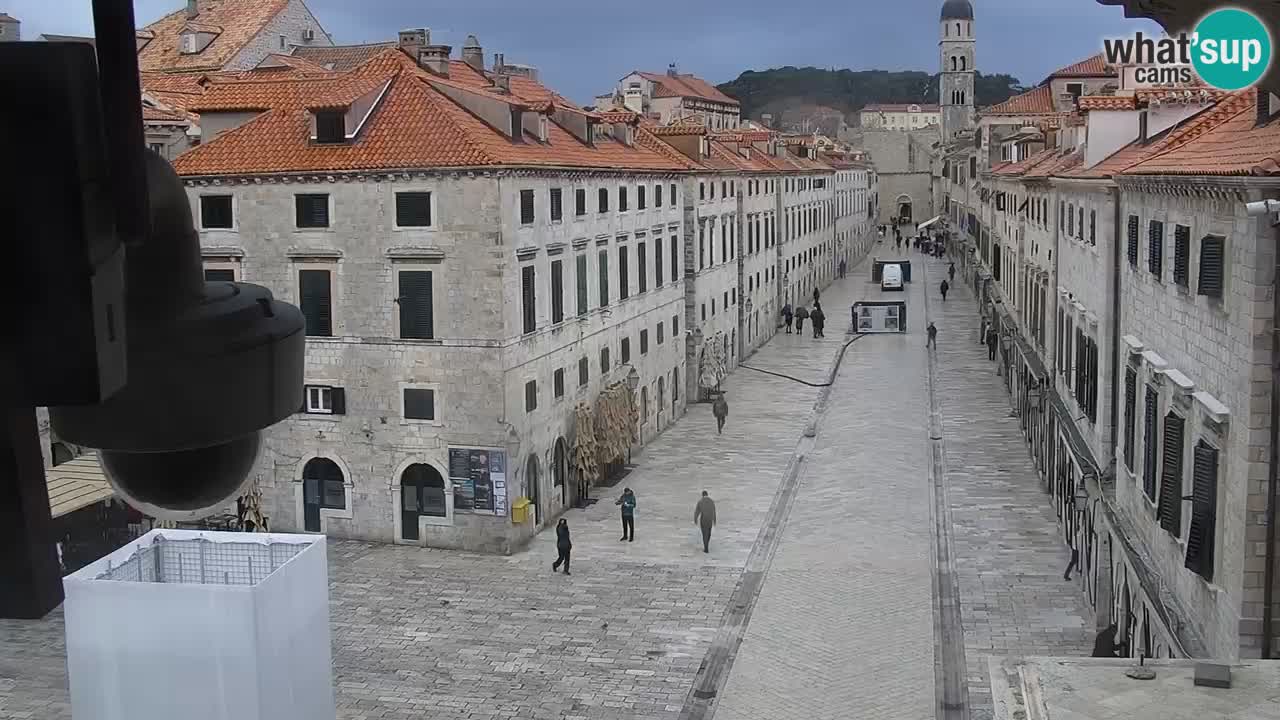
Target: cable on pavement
[{"x": 830, "y": 380}]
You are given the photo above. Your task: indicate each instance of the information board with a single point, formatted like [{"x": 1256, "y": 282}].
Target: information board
[{"x": 479, "y": 479}]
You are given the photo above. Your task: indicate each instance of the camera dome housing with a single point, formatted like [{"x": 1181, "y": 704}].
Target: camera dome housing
[{"x": 209, "y": 365}]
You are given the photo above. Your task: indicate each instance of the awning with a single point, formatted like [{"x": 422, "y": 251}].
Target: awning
[
  {"x": 76, "y": 484},
  {"x": 928, "y": 222}
]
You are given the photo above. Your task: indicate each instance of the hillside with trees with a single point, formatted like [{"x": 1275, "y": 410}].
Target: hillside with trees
[{"x": 775, "y": 90}]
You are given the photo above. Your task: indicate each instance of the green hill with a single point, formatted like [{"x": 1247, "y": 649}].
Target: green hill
[{"x": 775, "y": 90}]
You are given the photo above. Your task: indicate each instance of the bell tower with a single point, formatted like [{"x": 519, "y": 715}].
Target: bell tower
[{"x": 956, "y": 79}]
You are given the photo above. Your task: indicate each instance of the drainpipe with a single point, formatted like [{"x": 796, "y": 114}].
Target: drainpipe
[
  {"x": 1116, "y": 258},
  {"x": 1273, "y": 466}
]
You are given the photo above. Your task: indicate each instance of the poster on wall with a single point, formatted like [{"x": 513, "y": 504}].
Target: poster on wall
[{"x": 479, "y": 480}]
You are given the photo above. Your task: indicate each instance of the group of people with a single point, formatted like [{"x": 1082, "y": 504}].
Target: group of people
[
  {"x": 704, "y": 516},
  {"x": 816, "y": 316}
]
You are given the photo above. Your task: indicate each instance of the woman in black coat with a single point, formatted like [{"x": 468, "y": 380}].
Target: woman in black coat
[{"x": 563, "y": 546}]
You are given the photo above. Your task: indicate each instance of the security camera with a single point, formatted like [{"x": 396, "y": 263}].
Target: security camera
[
  {"x": 1262, "y": 207},
  {"x": 209, "y": 365}
]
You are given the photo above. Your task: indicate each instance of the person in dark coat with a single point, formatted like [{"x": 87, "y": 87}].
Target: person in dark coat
[
  {"x": 704, "y": 515},
  {"x": 819, "y": 319},
  {"x": 951, "y": 271},
  {"x": 842, "y": 269},
  {"x": 787, "y": 316},
  {"x": 816, "y": 294},
  {"x": 933, "y": 336},
  {"x": 801, "y": 313},
  {"x": 721, "y": 410},
  {"x": 563, "y": 546},
  {"x": 628, "y": 503},
  {"x": 993, "y": 339},
  {"x": 944, "y": 288}
]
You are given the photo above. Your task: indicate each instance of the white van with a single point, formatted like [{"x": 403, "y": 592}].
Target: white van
[{"x": 891, "y": 277}]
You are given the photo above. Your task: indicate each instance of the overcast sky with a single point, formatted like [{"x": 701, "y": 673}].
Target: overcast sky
[{"x": 582, "y": 47}]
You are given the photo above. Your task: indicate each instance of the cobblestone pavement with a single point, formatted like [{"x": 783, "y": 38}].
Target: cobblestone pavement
[
  {"x": 1009, "y": 550},
  {"x": 843, "y": 627}
]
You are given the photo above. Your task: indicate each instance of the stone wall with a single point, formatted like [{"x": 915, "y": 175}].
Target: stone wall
[{"x": 291, "y": 23}]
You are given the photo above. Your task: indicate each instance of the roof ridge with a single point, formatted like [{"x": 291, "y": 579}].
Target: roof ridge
[{"x": 1200, "y": 123}]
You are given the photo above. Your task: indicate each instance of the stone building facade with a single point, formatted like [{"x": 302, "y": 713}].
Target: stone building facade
[{"x": 673, "y": 97}]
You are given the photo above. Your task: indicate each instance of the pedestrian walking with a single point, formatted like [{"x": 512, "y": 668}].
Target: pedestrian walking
[
  {"x": 704, "y": 514},
  {"x": 933, "y": 337},
  {"x": 944, "y": 287},
  {"x": 721, "y": 410},
  {"x": 815, "y": 296},
  {"x": 819, "y": 320},
  {"x": 842, "y": 269},
  {"x": 563, "y": 546},
  {"x": 628, "y": 503},
  {"x": 801, "y": 313},
  {"x": 787, "y": 316},
  {"x": 993, "y": 338},
  {"x": 982, "y": 331},
  {"x": 951, "y": 271}
]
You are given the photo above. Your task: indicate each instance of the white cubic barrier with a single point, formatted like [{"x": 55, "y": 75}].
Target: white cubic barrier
[{"x": 202, "y": 626}]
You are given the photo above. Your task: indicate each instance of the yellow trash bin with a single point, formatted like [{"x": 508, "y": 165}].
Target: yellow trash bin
[{"x": 520, "y": 510}]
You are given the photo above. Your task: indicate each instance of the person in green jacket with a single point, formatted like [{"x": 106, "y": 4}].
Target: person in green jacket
[
  {"x": 628, "y": 503},
  {"x": 704, "y": 514}
]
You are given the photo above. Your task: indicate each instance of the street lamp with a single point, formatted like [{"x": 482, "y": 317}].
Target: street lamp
[{"x": 633, "y": 379}]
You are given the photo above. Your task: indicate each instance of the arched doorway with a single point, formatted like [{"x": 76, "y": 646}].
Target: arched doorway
[
  {"x": 560, "y": 470},
  {"x": 904, "y": 209},
  {"x": 422, "y": 492},
  {"x": 323, "y": 486},
  {"x": 531, "y": 484},
  {"x": 644, "y": 405}
]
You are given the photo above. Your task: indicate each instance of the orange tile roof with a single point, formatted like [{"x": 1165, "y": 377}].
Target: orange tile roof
[
  {"x": 1061, "y": 162},
  {"x": 1109, "y": 102},
  {"x": 1036, "y": 101},
  {"x": 1225, "y": 142},
  {"x": 414, "y": 127},
  {"x": 684, "y": 85},
  {"x": 1021, "y": 166},
  {"x": 674, "y": 130},
  {"x": 236, "y": 22},
  {"x": 1095, "y": 66},
  {"x": 341, "y": 58},
  {"x": 290, "y": 62}
]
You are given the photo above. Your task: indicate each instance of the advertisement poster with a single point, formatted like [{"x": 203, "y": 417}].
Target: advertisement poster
[{"x": 479, "y": 480}]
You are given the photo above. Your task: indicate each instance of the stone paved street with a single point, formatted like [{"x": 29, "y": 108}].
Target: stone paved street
[{"x": 843, "y": 624}]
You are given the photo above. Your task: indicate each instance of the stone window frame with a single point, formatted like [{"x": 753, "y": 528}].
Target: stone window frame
[
  {"x": 235, "y": 210},
  {"x": 225, "y": 262},
  {"x": 399, "y": 267},
  {"x": 430, "y": 189},
  {"x": 302, "y": 262},
  {"x": 348, "y": 484},
  {"x": 430, "y": 520},
  {"x": 435, "y": 388}
]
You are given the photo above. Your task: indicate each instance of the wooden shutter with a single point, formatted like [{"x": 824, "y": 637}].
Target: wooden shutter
[
  {"x": 1155, "y": 248},
  {"x": 417, "y": 315},
  {"x": 579, "y": 202},
  {"x": 557, "y": 207},
  {"x": 1170, "y": 508},
  {"x": 531, "y": 396},
  {"x": 657, "y": 260},
  {"x": 602, "y": 270},
  {"x": 215, "y": 211},
  {"x": 528, "y": 298},
  {"x": 583, "y": 371},
  {"x": 641, "y": 264},
  {"x": 1149, "y": 444},
  {"x": 338, "y": 401},
  {"x": 219, "y": 275},
  {"x": 413, "y": 209},
  {"x": 1204, "y": 511},
  {"x": 624, "y": 286},
  {"x": 581, "y": 278},
  {"x": 557, "y": 291},
  {"x": 317, "y": 302},
  {"x": 526, "y": 207},
  {"x": 311, "y": 211},
  {"x": 675, "y": 258},
  {"x": 1212, "y": 268},
  {"x": 1181, "y": 255},
  {"x": 1130, "y": 406},
  {"x": 1133, "y": 240}
]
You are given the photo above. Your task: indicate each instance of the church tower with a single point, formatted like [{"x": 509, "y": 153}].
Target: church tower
[{"x": 955, "y": 84}]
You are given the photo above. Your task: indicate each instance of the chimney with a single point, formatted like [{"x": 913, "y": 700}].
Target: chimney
[
  {"x": 499, "y": 60},
  {"x": 671, "y": 70},
  {"x": 435, "y": 58},
  {"x": 192, "y": 9},
  {"x": 413, "y": 40},
  {"x": 502, "y": 83},
  {"x": 473, "y": 54},
  {"x": 1266, "y": 106}
]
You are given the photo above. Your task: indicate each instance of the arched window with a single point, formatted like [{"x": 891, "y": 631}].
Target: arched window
[
  {"x": 644, "y": 405},
  {"x": 957, "y": 28},
  {"x": 947, "y": 30},
  {"x": 963, "y": 62},
  {"x": 662, "y": 395},
  {"x": 954, "y": 64}
]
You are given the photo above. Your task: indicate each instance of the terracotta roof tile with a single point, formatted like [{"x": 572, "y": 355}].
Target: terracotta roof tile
[
  {"x": 1061, "y": 162},
  {"x": 684, "y": 85},
  {"x": 341, "y": 58},
  {"x": 1095, "y": 66},
  {"x": 1109, "y": 102},
  {"x": 1225, "y": 141},
  {"x": 1021, "y": 166},
  {"x": 238, "y": 21},
  {"x": 414, "y": 127},
  {"x": 1036, "y": 101},
  {"x": 676, "y": 130}
]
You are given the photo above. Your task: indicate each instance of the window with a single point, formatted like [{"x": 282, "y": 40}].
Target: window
[
  {"x": 657, "y": 196},
  {"x": 1132, "y": 249},
  {"x": 604, "y": 360},
  {"x": 557, "y": 382},
  {"x": 579, "y": 202},
  {"x": 317, "y": 302},
  {"x": 626, "y": 349},
  {"x": 660, "y": 337},
  {"x": 1155, "y": 249},
  {"x": 1071, "y": 220},
  {"x": 557, "y": 291},
  {"x": 526, "y": 207},
  {"x": 1080, "y": 225},
  {"x": 422, "y": 491},
  {"x": 557, "y": 207},
  {"x": 672, "y": 187},
  {"x": 584, "y": 372},
  {"x": 675, "y": 326},
  {"x": 602, "y": 271},
  {"x": 531, "y": 396},
  {"x": 657, "y": 261},
  {"x": 417, "y": 318},
  {"x": 1151, "y": 412},
  {"x": 704, "y": 312},
  {"x": 702, "y": 191},
  {"x": 640, "y": 198},
  {"x": 283, "y": 42},
  {"x": 215, "y": 212},
  {"x": 1182, "y": 255},
  {"x": 1212, "y": 258},
  {"x": 581, "y": 278},
  {"x": 1170, "y": 509},
  {"x": 413, "y": 209},
  {"x": 219, "y": 275},
  {"x": 324, "y": 486},
  {"x": 311, "y": 210},
  {"x": 1204, "y": 511},
  {"x": 973, "y": 167},
  {"x": 158, "y": 148},
  {"x": 331, "y": 126},
  {"x": 419, "y": 404},
  {"x": 644, "y": 342},
  {"x": 1093, "y": 227},
  {"x": 528, "y": 299},
  {"x": 602, "y": 200},
  {"x": 641, "y": 266},
  {"x": 325, "y": 400},
  {"x": 622, "y": 198}
]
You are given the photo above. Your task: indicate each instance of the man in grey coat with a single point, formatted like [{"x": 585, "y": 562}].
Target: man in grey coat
[{"x": 704, "y": 514}]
